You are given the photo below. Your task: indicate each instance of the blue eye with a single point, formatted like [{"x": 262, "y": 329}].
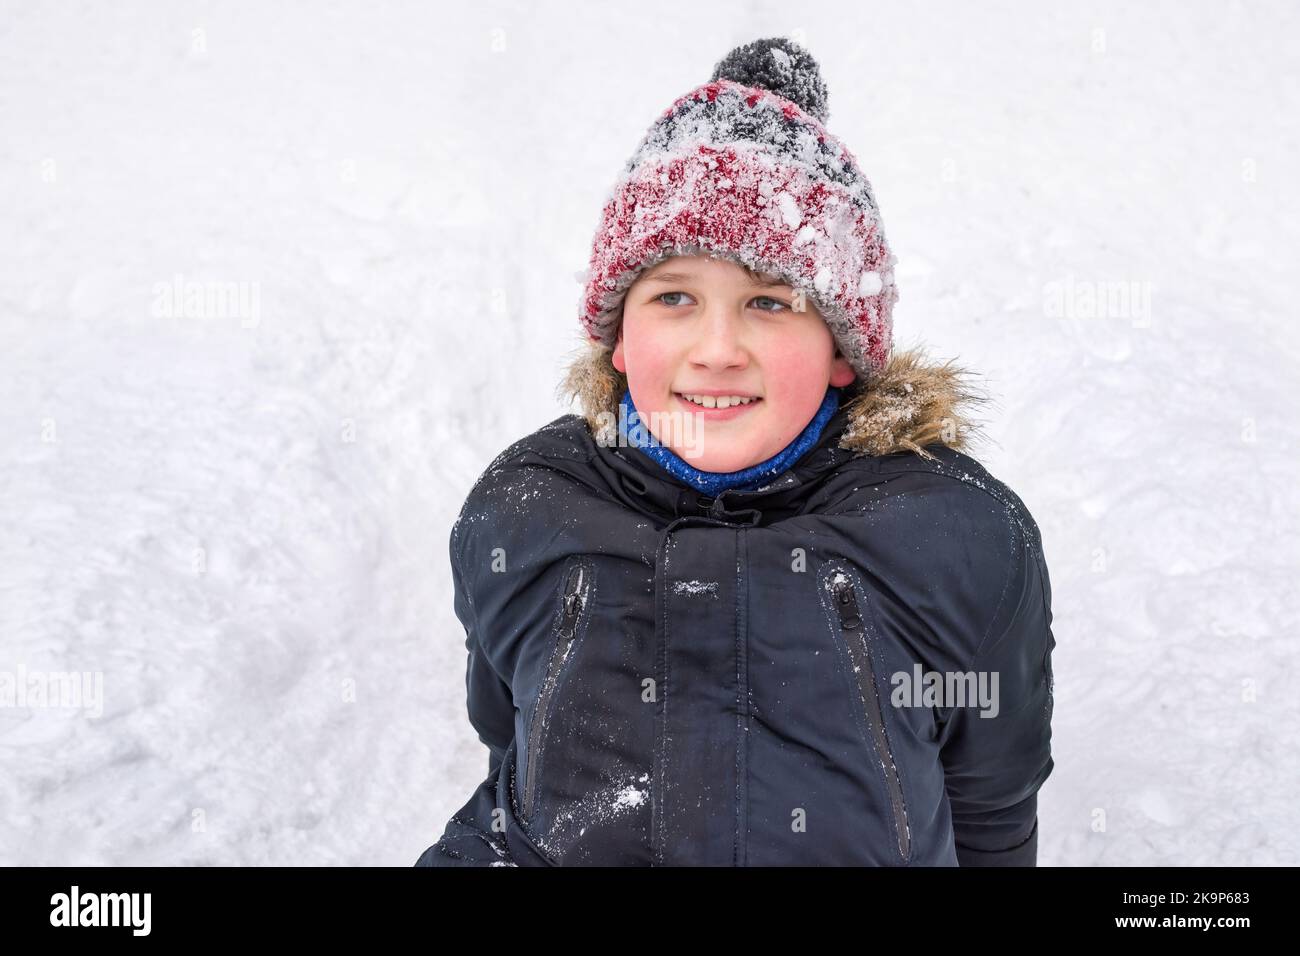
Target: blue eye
[
  {"x": 766, "y": 298},
  {"x": 659, "y": 298}
]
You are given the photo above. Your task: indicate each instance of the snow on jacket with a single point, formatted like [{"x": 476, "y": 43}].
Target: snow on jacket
[{"x": 663, "y": 678}]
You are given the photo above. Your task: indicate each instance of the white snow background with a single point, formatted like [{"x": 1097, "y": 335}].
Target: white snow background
[{"x": 243, "y": 524}]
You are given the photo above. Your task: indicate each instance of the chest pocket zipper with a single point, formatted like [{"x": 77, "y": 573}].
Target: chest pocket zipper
[
  {"x": 574, "y": 600},
  {"x": 855, "y": 640}
]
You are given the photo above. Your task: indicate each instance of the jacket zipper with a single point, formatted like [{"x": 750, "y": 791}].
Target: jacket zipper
[
  {"x": 846, "y": 603},
  {"x": 572, "y": 609}
]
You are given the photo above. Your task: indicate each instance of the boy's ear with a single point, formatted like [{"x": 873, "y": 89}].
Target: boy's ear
[
  {"x": 617, "y": 358},
  {"x": 842, "y": 372}
]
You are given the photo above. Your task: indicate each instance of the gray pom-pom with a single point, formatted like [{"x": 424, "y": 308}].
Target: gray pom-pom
[{"x": 781, "y": 66}]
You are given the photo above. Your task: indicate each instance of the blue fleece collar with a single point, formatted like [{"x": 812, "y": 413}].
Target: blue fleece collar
[{"x": 713, "y": 482}]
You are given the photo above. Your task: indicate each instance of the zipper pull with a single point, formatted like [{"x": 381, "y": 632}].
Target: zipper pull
[
  {"x": 846, "y": 601},
  {"x": 572, "y": 603}
]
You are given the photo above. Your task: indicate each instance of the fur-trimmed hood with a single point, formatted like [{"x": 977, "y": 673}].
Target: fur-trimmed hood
[{"x": 912, "y": 403}]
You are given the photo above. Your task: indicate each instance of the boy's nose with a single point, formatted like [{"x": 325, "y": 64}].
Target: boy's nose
[{"x": 720, "y": 340}]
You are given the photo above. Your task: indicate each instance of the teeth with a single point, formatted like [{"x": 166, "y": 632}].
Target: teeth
[{"x": 717, "y": 401}]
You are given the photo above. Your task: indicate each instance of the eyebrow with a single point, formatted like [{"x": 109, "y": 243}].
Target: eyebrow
[{"x": 671, "y": 277}]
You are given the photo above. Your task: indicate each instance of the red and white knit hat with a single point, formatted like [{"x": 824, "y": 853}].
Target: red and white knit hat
[{"x": 743, "y": 167}]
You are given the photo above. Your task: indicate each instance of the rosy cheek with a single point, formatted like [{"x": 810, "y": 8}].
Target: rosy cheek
[
  {"x": 652, "y": 369},
  {"x": 783, "y": 378}
]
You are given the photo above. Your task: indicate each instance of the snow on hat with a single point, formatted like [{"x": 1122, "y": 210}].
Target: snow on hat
[{"x": 743, "y": 167}]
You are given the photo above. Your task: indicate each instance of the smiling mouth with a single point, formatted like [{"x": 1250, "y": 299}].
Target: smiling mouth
[{"x": 702, "y": 401}]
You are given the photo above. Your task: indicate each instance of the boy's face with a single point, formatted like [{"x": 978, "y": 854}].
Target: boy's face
[{"x": 700, "y": 324}]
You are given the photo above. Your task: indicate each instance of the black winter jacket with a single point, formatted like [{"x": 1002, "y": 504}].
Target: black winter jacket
[{"x": 667, "y": 679}]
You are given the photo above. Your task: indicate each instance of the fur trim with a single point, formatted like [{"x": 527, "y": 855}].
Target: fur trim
[{"x": 912, "y": 403}]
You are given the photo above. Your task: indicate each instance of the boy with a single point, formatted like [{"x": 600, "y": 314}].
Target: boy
[{"x": 754, "y": 606}]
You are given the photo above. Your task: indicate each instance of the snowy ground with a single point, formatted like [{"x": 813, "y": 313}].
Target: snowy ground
[{"x": 241, "y": 520}]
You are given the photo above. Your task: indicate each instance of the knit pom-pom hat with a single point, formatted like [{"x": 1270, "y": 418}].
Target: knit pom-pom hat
[{"x": 743, "y": 167}]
